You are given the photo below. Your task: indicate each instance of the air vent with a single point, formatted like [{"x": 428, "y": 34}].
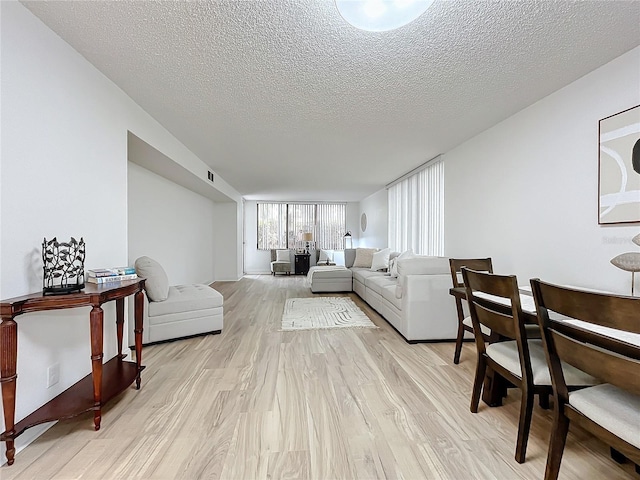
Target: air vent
[{"x": 210, "y": 176}]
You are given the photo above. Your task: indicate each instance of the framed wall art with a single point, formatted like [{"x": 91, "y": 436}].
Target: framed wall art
[{"x": 619, "y": 168}]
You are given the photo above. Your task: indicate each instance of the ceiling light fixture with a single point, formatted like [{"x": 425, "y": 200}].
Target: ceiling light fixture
[{"x": 381, "y": 15}]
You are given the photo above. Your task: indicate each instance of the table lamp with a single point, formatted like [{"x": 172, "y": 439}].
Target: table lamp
[{"x": 307, "y": 238}]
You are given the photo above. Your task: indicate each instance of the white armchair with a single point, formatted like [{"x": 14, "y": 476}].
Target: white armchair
[
  {"x": 173, "y": 312},
  {"x": 280, "y": 262}
]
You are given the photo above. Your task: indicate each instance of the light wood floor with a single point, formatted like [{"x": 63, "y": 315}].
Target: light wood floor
[{"x": 255, "y": 402}]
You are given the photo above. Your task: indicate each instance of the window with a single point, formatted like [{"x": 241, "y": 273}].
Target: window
[
  {"x": 416, "y": 211},
  {"x": 331, "y": 226},
  {"x": 272, "y": 226},
  {"x": 301, "y": 220},
  {"x": 282, "y": 225}
]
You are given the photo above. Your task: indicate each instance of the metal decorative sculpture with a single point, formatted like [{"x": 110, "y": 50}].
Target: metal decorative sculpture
[
  {"x": 629, "y": 262},
  {"x": 63, "y": 266}
]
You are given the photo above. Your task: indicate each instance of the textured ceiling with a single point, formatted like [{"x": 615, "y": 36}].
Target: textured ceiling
[{"x": 286, "y": 101}]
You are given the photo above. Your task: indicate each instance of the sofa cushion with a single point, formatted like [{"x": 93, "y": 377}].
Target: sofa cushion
[
  {"x": 423, "y": 265},
  {"x": 326, "y": 272},
  {"x": 378, "y": 282},
  {"x": 184, "y": 319},
  {"x": 183, "y": 298},
  {"x": 408, "y": 253},
  {"x": 283, "y": 256},
  {"x": 380, "y": 260},
  {"x": 157, "y": 282},
  {"x": 389, "y": 294},
  {"x": 361, "y": 274},
  {"x": 364, "y": 257},
  {"x": 326, "y": 255}
]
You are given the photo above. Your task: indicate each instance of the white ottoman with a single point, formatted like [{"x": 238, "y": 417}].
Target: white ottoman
[{"x": 330, "y": 279}]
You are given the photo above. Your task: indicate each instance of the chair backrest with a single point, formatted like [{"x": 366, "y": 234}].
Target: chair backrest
[
  {"x": 477, "y": 264},
  {"x": 505, "y": 319},
  {"x": 612, "y": 360},
  {"x": 157, "y": 283}
]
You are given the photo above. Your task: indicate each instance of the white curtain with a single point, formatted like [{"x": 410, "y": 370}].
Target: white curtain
[
  {"x": 331, "y": 226},
  {"x": 416, "y": 211}
]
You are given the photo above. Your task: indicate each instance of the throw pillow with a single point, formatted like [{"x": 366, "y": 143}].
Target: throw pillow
[
  {"x": 380, "y": 260},
  {"x": 157, "y": 283},
  {"x": 326, "y": 256},
  {"x": 283, "y": 256},
  {"x": 393, "y": 267},
  {"x": 406, "y": 254},
  {"x": 364, "y": 257}
]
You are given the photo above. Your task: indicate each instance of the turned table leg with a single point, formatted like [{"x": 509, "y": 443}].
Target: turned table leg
[
  {"x": 96, "y": 318},
  {"x": 139, "y": 308},
  {"x": 8, "y": 360},
  {"x": 120, "y": 324}
]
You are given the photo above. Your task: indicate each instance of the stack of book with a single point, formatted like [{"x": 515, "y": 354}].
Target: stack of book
[{"x": 108, "y": 275}]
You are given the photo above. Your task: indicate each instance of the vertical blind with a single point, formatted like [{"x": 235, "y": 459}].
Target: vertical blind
[
  {"x": 301, "y": 220},
  {"x": 282, "y": 225},
  {"x": 272, "y": 225},
  {"x": 331, "y": 226},
  {"x": 416, "y": 212}
]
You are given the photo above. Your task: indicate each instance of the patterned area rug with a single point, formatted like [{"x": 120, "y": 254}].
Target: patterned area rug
[{"x": 323, "y": 312}]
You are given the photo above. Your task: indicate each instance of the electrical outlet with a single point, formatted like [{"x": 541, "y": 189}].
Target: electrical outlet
[{"x": 53, "y": 375}]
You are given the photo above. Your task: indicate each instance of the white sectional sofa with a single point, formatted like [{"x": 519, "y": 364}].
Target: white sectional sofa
[{"x": 416, "y": 303}]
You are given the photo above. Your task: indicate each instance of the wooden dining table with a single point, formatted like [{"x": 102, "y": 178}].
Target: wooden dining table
[{"x": 526, "y": 302}]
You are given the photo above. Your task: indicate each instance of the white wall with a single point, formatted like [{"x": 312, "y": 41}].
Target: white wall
[
  {"x": 172, "y": 225},
  {"x": 525, "y": 191},
  {"x": 240, "y": 228},
  {"x": 376, "y": 207},
  {"x": 257, "y": 261},
  {"x": 226, "y": 240},
  {"x": 64, "y": 172},
  {"x": 353, "y": 223}
]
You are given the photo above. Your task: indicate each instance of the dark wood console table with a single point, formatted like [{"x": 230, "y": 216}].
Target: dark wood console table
[{"x": 92, "y": 392}]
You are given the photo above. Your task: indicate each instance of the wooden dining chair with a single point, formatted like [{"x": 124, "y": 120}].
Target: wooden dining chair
[
  {"x": 610, "y": 410},
  {"x": 520, "y": 361},
  {"x": 464, "y": 320}
]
